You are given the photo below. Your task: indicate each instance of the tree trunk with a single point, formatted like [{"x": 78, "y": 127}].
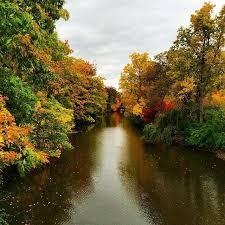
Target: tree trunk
[{"x": 199, "y": 102}]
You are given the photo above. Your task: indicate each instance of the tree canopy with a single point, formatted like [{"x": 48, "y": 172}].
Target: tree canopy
[{"x": 44, "y": 91}]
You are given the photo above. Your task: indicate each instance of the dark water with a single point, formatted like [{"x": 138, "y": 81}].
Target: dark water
[{"x": 112, "y": 178}]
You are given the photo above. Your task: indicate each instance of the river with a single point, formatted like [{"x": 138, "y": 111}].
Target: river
[{"x": 113, "y": 178}]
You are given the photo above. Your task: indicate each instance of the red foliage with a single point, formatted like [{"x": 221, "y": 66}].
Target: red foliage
[
  {"x": 167, "y": 106},
  {"x": 150, "y": 114}
]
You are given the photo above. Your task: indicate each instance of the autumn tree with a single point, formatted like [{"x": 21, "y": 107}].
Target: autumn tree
[
  {"x": 83, "y": 90},
  {"x": 197, "y": 58},
  {"x": 132, "y": 82},
  {"x": 143, "y": 82},
  {"x": 45, "y": 87}
]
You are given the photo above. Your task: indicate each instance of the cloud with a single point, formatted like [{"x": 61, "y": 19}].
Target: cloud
[
  {"x": 114, "y": 82},
  {"x": 107, "y": 32}
]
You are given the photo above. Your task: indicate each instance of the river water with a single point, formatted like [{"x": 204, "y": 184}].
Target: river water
[{"x": 113, "y": 178}]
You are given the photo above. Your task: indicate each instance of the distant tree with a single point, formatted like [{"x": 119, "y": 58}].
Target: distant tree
[{"x": 112, "y": 96}]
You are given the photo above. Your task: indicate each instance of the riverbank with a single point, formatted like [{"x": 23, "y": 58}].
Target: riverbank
[{"x": 152, "y": 137}]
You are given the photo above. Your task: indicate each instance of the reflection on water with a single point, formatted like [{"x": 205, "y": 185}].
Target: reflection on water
[{"x": 113, "y": 178}]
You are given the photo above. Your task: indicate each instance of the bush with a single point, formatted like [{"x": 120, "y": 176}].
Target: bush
[
  {"x": 29, "y": 160},
  {"x": 167, "y": 135},
  {"x": 178, "y": 119},
  {"x": 168, "y": 124},
  {"x": 151, "y": 133},
  {"x": 3, "y": 216},
  {"x": 211, "y": 133}
]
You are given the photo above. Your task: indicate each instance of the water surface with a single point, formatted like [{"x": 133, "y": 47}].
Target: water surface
[{"x": 113, "y": 178}]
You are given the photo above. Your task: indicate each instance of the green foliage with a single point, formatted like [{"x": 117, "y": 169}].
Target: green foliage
[
  {"x": 89, "y": 120},
  {"x": 21, "y": 98},
  {"x": 168, "y": 125},
  {"x": 95, "y": 104},
  {"x": 53, "y": 123},
  {"x": 45, "y": 13},
  {"x": 151, "y": 133},
  {"x": 43, "y": 89},
  {"x": 13, "y": 22},
  {"x": 175, "y": 118},
  {"x": 3, "y": 216},
  {"x": 167, "y": 135},
  {"x": 209, "y": 134},
  {"x": 2, "y": 166},
  {"x": 29, "y": 161}
]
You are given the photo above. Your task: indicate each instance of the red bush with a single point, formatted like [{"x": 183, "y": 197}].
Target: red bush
[{"x": 150, "y": 114}]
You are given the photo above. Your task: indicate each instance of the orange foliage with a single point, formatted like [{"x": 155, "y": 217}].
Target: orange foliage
[
  {"x": 8, "y": 157},
  {"x": 60, "y": 66},
  {"x": 44, "y": 55},
  {"x": 80, "y": 66},
  {"x": 117, "y": 105},
  {"x": 218, "y": 99},
  {"x": 10, "y": 133},
  {"x": 43, "y": 157},
  {"x": 14, "y": 137}
]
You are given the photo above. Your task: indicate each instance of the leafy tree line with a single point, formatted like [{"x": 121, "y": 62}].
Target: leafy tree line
[
  {"x": 43, "y": 90},
  {"x": 180, "y": 93}
]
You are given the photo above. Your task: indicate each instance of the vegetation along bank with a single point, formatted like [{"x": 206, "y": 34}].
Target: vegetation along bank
[
  {"x": 180, "y": 94},
  {"x": 44, "y": 91}
]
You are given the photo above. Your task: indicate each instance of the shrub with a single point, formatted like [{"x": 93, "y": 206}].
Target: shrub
[
  {"x": 167, "y": 125},
  {"x": 211, "y": 133},
  {"x": 30, "y": 160},
  {"x": 3, "y": 216},
  {"x": 151, "y": 133},
  {"x": 167, "y": 135},
  {"x": 149, "y": 114},
  {"x": 178, "y": 119}
]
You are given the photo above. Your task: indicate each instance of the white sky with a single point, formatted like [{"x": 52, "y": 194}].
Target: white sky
[{"x": 106, "y": 32}]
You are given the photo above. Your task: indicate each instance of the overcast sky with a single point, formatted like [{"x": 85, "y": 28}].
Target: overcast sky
[{"x": 106, "y": 32}]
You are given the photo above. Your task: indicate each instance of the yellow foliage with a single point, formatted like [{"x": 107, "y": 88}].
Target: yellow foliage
[
  {"x": 133, "y": 81},
  {"x": 218, "y": 99},
  {"x": 185, "y": 89},
  {"x": 138, "y": 108}
]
